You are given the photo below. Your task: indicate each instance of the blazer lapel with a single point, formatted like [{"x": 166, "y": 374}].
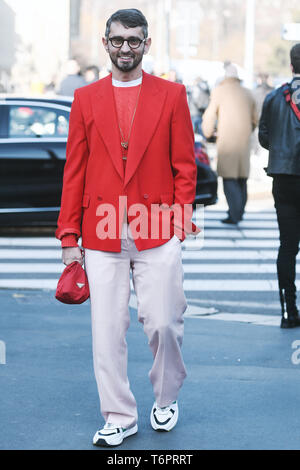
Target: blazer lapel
[
  {"x": 105, "y": 116},
  {"x": 149, "y": 109}
]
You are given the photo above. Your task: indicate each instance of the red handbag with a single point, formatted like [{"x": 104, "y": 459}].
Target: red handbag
[{"x": 73, "y": 287}]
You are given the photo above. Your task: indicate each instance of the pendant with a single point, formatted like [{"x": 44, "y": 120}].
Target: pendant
[{"x": 124, "y": 145}]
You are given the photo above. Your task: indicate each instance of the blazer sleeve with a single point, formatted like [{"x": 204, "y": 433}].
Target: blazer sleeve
[
  {"x": 183, "y": 155},
  {"x": 69, "y": 220}
]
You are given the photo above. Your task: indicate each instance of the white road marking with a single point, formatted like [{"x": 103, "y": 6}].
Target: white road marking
[
  {"x": 243, "y": 243},
  {"x": 255, "y": 224},
  {"x": 256, "y": 238},
  {"x": 30, "y": 241},
  {"x": 230, "y": 255},
  {"x": 192, "y": 285},
  {"x": 267, "y": 320},
  {"x": 31, "y": 268},
  {"x": 231, "y": 268},
  {"x": 249, "y": 234},
  {"x": 28, "y": 284},
  {"x": 191, "y": 268},
  {"x": 29, "y": 254},
  {"x": 234, "y": 285},
  {"x": 219, "y": 215}
]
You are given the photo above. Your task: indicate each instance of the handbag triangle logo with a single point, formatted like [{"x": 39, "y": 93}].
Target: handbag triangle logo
[{"x": 80, "y": 284}]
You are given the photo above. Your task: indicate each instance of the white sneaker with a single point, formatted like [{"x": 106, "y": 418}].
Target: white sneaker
[
  {"x": 112, "y": 435},
  {"x": 164, "y": 419}
]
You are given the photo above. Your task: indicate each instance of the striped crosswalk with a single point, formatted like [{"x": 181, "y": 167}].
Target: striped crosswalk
[
  {"x": 234, "y": 276},
  {"x": 230, "y": 275}
]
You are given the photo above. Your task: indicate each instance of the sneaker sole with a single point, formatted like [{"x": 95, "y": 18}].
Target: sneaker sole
[{"x": 129, "y": 432}]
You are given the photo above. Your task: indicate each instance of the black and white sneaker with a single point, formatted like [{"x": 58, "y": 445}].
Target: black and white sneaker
[
  {"x": 164, "y": 419},
  {"x": 112, "y": 435}
]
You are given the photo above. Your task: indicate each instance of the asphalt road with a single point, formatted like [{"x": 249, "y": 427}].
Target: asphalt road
[{"x": 242, "y": 389}]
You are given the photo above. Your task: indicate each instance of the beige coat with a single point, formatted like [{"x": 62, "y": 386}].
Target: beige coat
[{"x": 232, "y": 112}]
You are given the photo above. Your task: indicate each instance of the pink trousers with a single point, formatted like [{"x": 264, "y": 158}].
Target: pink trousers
[{"x": 157, "y": 277}]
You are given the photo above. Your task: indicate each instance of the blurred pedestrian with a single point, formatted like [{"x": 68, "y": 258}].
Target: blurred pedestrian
[
  {"x": 173, "y": 76},
  {"x": 262, "y": 89},
  {"x": 279, "y": 132},
  {"x": 72, "y": 81},
  {"x": 130, "y": 138},
  {"x": 232, "y": 113},
  {"x": 198, "y": 99},
  {"x": 91, "y": 74}
]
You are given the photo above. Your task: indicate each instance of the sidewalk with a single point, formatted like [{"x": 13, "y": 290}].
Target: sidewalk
[{"x": 242, "y": 389}]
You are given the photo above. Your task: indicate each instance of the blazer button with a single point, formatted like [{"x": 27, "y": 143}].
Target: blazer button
[
  {"x": 146, "y": 196},
  {"x": 99, "y": 198}
]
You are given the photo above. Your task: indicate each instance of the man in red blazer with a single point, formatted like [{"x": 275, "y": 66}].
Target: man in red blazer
[{"x": 130, "y": 157}]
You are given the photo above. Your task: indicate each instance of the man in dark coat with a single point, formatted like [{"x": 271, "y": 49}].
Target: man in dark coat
[{"x": 279, "y": 132}]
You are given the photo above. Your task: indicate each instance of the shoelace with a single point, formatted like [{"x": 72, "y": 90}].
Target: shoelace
[
  {"x": 111, "y": 426},
  {"x": 165, "y": 410}
]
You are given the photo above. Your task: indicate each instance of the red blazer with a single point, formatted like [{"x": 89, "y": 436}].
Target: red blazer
[{"x": 160, "y": 165}]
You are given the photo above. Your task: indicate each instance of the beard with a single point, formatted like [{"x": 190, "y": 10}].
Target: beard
[{"x": 126, "y": 66}]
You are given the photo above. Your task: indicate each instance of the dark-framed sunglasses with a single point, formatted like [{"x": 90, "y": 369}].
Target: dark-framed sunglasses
[{"x": 133, "y": 42}]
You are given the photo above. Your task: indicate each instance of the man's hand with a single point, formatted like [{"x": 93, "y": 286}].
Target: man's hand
[{"x": 70, "y": 254}]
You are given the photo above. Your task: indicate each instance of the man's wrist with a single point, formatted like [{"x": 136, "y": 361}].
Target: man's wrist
[{"x": 69, "y": 241}]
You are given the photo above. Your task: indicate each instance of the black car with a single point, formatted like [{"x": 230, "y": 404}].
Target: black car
[
  {"x": 207, "y": 180},
  {"x": 33, "y": 137}
]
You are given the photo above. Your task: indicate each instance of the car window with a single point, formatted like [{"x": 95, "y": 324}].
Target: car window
[{"x": 36, "y": 121}]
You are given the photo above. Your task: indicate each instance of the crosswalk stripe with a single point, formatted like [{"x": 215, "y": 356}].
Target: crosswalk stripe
[
  {"x": 28, "y": 284},
  {"x": 42, "y": 268},
  {"x": 266, "y": 320},
  {"x": 190, "y": 285},
  {"x": 235, "y": 285},
  {"x": 232, "y": 268},
  {"x": 219, "y": 233},
  {"x": 29, "y": 254},
  {"x": 187, "y": 244},
  {"x": 213, "y": 243},
  {"x": 30, "y": 241},
  {"x": 253, "y": 224},
  {"x": 229, "y": 255},
  {"x": 260, "y": 233},
  {"x": 249, "y": 250},
  {"x": 219, "y": 215},
  {"x": 190, "y": 268}
]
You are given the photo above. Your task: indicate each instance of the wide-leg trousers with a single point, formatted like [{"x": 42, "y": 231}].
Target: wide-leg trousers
[{"x": 157, "y": 277}]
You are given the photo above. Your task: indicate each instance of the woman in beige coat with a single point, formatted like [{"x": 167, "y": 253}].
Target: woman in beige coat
[{"x": 232, "y": 112}]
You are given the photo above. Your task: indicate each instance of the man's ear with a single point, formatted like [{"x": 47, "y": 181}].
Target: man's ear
[
  {"x": 105, "y": 44},
  {"x": 147, "y": 45},
  {"x": 292, "y": 68}
]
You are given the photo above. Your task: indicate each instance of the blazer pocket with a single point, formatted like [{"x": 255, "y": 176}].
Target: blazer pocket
[
  {"x": 167, "y": 198},
  {"x": 86, "y": 201}
]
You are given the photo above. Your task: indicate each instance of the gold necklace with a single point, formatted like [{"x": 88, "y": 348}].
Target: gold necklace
[{"x": 125, "y": 143}]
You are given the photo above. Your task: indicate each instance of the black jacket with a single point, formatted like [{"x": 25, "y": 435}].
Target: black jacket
[{"x": 279, "y": 131}]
